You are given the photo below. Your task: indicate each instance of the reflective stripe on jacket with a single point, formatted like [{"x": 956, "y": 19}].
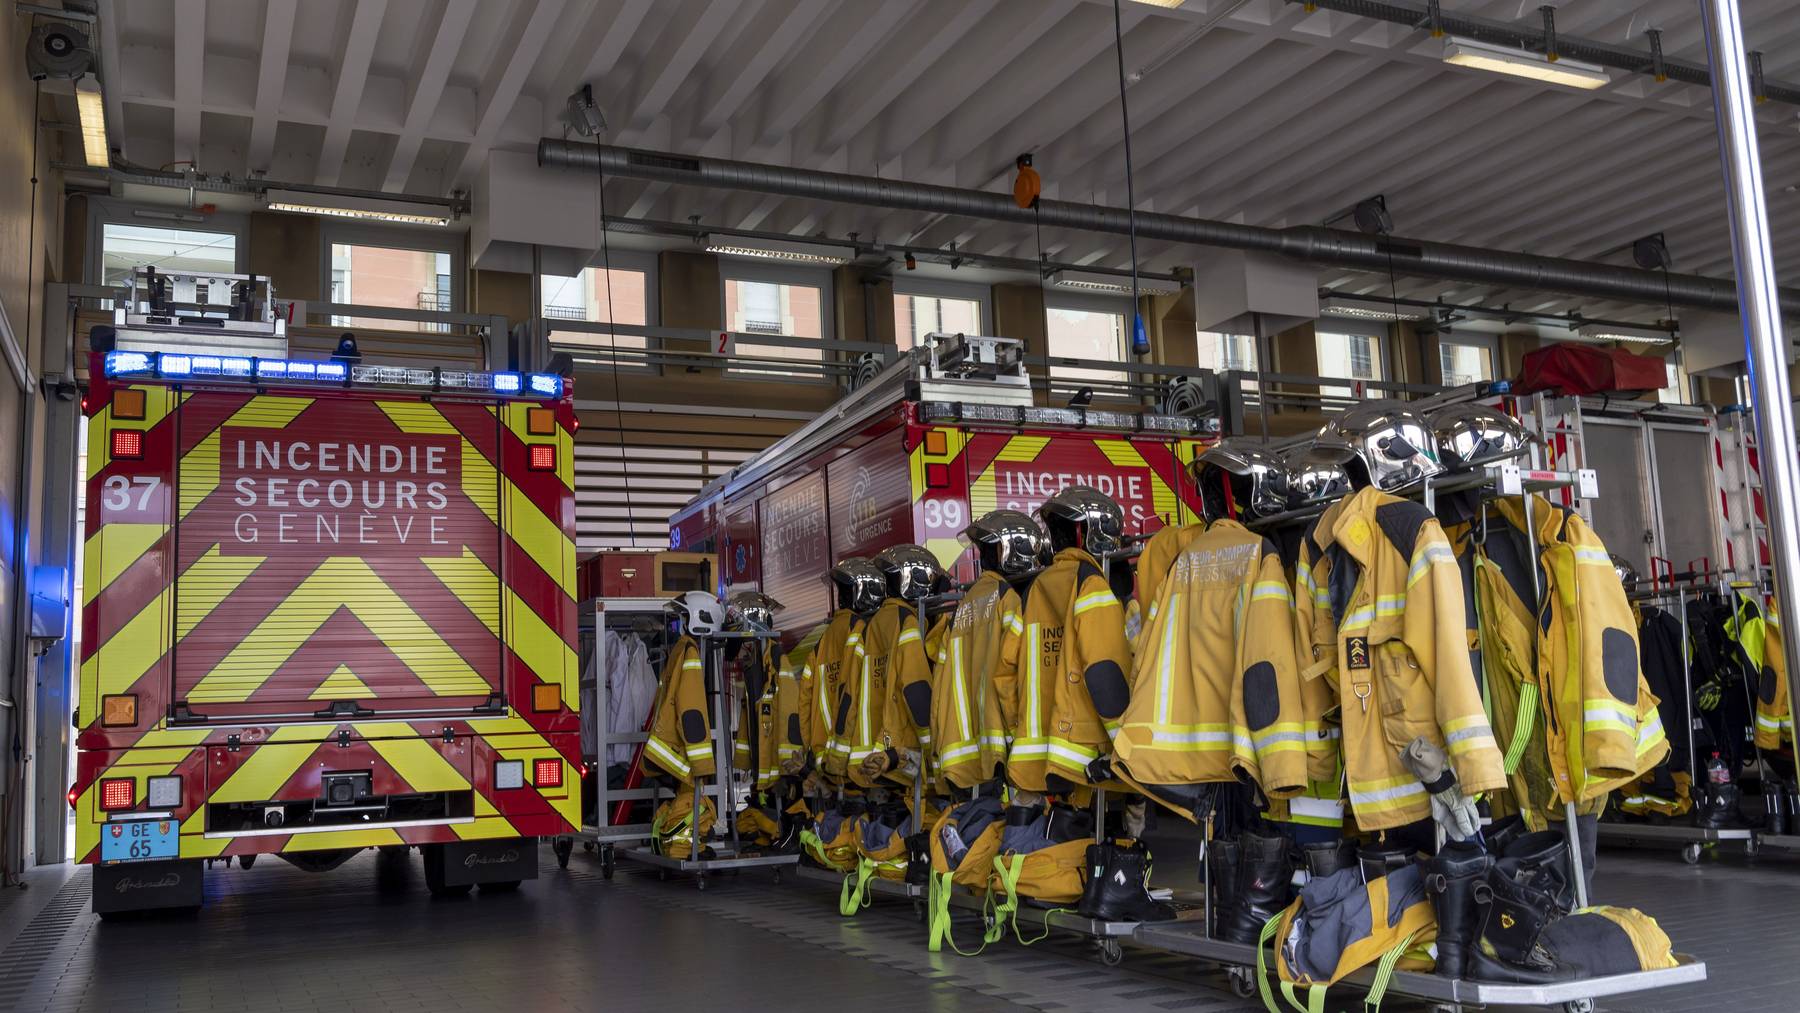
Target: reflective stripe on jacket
[
  {"x": 966, "y": 724},
  {"x": 884, "y": 698},
  {"x": 757, "y": 743},
  {"x": 1215, "y": 692},
  {"x": 1071, "y": 682},
  {"x": 1381, "y": 618},
  {"x": 1600, "y": 717},
  {"x": 680, "y": 741},
  {"x": 1774, "y": 718},
  {"x": 821, "y": 678}
]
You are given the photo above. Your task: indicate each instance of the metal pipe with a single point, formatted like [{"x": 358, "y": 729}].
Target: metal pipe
[
  {"x": 1311, "y": 244},
  {"x": 1765, "y": 344}
]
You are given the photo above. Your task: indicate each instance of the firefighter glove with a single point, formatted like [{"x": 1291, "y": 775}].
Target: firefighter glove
[
  {"x": 1710, "y": 694},
  {"x": 1454, "y": 812}
]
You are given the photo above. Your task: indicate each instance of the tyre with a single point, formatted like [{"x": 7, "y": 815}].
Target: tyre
[{"x": 504, "y": 886}]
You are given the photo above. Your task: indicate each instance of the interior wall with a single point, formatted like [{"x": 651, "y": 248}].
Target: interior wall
[{"x": 286, "y": 248}]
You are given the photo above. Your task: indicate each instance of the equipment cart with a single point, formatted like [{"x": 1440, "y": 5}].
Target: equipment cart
[{"x": 606, "y": 824}]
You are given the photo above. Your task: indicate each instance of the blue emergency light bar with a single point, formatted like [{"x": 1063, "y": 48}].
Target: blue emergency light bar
[{"x": 186, "y": 365}]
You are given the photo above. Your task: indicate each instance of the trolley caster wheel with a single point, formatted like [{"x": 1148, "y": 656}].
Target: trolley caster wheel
[
  {"x": 662, "y": 875},
  {"x": 590, "y": 847},
  {"x": 1579, "y": 1006},
  {"x": 1691, "y": 854},
  {"x": 919, "y": 910},
  {"x": 1752, "y": 848},
  {"x": 700, "y": 881},
  {"x": 1111, "y": 953},
  {"x": 1243, "y": 984},
  {"x": 563, "y": 847},
  {"x": 606, "y": 864},
  {"x": 777, "y": 877}
]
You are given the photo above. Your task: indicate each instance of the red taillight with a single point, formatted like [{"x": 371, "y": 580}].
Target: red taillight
[
  {"x": 73, "y": 795},
  {"x": 543, "y": 457},
  {"x": 585, "y": 771},
  {"x": 547, "y": 773},
  {"x": 118, "y": 793},
  {"x": 128, "y": 444}
]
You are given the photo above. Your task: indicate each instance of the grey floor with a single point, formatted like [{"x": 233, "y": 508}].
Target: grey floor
[{"x": 368, "y": 937}]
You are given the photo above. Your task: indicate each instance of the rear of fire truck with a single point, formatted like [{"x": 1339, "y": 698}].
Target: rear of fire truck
[{"x": 327, "y": 606}]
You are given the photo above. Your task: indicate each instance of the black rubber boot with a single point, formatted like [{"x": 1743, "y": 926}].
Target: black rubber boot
[
  {"x": 1540, "y": 860},
  {"x": 1323, "y": 859},
  {"x": 1377, "y": 860},
  {"x": 1222, "y": 870},
  {"x": 918, "y": 858},
  {"x": 1118, "y": 887},
  {"x": 1456, "y": 882},
  {"x": 1265, "y": 885},
  {"x": 1717, "y": 808},
  {"x": 1022, "y": 815}
]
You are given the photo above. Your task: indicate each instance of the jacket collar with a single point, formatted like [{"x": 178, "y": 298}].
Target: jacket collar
[
  {"x": 1548, "y": 520},
  {"x": 1075, "y": 554},
  {"x": 1350, "y": 524}
]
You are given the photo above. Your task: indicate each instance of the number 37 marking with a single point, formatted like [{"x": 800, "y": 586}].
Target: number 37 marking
[{"x": 116, "y": 493}]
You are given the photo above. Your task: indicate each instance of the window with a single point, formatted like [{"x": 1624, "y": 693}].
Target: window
[
  {"x": 1227, "y": 351},
  {"x": 124, "y": 247},
  {"x": 1352, "y": 356},
  {"x": 925, "y": 307},
  {"x": 1464, "y": 363},
  {"x": 772, "y": 299},
  {"x": 1087, "y": 330},
  {"x": 390, "y": 276},
  {"x": 598, "y": 295}
]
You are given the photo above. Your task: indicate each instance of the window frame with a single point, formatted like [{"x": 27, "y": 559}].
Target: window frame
[
  {"x": 1489, "y": 342},
  {"x": 333, "y": 233},
  {"x": 1354, "y": 327},
  {"x": 937, "y": 288},
  {"x": 776, "y": 273},
  {"x": 642, "y": 261},
  {"x": 104, "y": 211},
  {"x": 1089, "y": 302}
]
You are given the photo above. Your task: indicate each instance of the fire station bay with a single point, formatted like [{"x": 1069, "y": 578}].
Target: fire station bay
[{"x": 1096, "y": 506}]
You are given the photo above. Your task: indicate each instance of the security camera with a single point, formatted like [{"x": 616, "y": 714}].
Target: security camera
[{"x": 583, "y": 115}]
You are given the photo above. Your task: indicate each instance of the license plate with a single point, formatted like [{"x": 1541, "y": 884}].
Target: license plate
[{"x": 139, "y": 840}]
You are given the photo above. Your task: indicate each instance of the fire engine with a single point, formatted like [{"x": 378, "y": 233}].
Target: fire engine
[
  {"x": 946, "y": 434},
  {"x": 327, "y": 606}
]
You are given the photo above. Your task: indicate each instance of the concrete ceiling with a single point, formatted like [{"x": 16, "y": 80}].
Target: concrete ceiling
[{"x": 1251, "y": 110}]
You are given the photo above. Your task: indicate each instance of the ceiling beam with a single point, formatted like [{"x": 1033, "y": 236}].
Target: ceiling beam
[
  {"x": 446, "y": 43},
  {"x": 346, "y": 99},
  {"x": 545, "y": 14},
  {"x": 112, "y": 79},
  {"x": 271, "y": 81},
  {"x": 189, "y": 55},
  {"x": 682, "y": 44},
  {"x": 947, "y": 25}
]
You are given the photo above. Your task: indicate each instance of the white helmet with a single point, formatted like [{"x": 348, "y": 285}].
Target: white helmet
[{"x": 700, "y": 613}]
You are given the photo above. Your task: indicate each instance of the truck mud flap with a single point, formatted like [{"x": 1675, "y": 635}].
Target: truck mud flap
[
  {"x": 147, "y": 886},
  {"x": 462, "y": 863}
]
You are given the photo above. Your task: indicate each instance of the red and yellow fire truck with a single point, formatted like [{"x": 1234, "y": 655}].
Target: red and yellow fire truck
[
  {"x": 940, "y": 438},
  {"x": 327, "y": 607}
]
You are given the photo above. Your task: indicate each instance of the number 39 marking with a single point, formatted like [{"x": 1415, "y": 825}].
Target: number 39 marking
[
  {"x": 944, "y": 513},
  {"x": 117, "y": 491}
]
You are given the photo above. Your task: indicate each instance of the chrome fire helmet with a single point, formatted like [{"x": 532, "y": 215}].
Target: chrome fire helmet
[
  {"x": 1014, "y": 537},
  {"x": 1315, "y": 476},
  {"x": 751, "y": 612},
  {"x": 1102, "y": 521},
  {"x": 859, "y": 583},
  {"x": 912, "y": 572},
  {"x": 700, "y": 613},
  {"x": 1261, "y": 489},
  {"x": 1388, "y": 440},
  {"x": 1471, "y": 435}
]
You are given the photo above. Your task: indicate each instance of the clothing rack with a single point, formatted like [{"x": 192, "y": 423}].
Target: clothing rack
[
  {"x": 723, "y": 791},
  {"x": 603, "y": 830}
]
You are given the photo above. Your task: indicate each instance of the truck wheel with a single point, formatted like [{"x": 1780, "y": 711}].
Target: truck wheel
[
  {"x": 504, "y": 886},
  {"x": 246, "y": 861},
  {"x": 563, "y": 847},
  {"x": 434, "y": 874}
]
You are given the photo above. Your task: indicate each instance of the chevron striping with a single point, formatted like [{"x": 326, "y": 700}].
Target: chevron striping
[
  {"x": 469, "y": 579},
  {"x": 111, "y": 550},
  {"x": 538, "y": 646}
]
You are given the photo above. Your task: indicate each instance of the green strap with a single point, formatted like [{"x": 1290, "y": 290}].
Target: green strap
[
  {"x": 854, "y": 896},
  {"x": 1315, "y": 997},
  {"x": 1262, "y": 963},
  {"x": 810, "y": 841},
  {"x": 1008, "y": 908},
  {"x": 1522, "y": 722},
  {"x": 938, "y": 904},
  {"x": 1384, "y": 974}
]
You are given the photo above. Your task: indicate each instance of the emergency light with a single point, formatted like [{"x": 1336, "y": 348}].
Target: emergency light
[{"x": 185, "y": 365}]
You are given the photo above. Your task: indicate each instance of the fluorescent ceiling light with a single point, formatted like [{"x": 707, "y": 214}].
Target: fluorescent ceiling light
[
  {"x": 1519, "y": 63},
  {"x": 1625, "y": 333},
  {"x": 1163, "y": 3},
  {"x": 1368, "y": 313},
  {"x": 373, "y": 209},
  {"x": 779, "y": 249},
  {"x": 1094, "y": 281},
  {"x": 93, "y": 121}
]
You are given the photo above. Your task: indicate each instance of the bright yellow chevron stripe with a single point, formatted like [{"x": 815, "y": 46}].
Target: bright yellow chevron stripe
[
  {"x": 1023, "y": 449},
  {"x": 111, "y": 550},
  {"x": 199, "y": 472},
  {"x": 331, "y": 839},
  {"x": 158, "y": 752},
  {"x": 127, "y": 654},
  {"x": 480, "y": 482},
  {"x": 206, "y": 582},
  {"x": 1122, "y": 453},
  {"x": 541, "y": 538},
  {"x": 417, "y": 417},
  {"x": 270, "y": 411},
  {"x": 536, "y": 644},
  {"x": 478, "y": 476},
  {"x": 341, "y": 684},
  {"x": 348, "y": 582},
  {"x": 472, "y": 582},
  {"x": 514, "y": 415},
  {"x": 420, "y": 764}
]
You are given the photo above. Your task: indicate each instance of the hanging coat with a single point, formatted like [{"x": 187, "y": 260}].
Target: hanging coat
[
  {"x": 630, "y": 692},
  {"x": 1382, "y": 621},
  {"x": 967, "y": 728},
  {"x": 1774, "y": 719},
  {"x": 1215, "y": 692},
  {"x": 791, "y": 698},
  {"x": 757, "y": 744},
  {"x": 680, "y": 742},
  {"x": 820, "y": 680},
  {"x": 1157, "y": 557},
  {"x": 1071, "y": 684},
  {"x": 884, "y": 699}
]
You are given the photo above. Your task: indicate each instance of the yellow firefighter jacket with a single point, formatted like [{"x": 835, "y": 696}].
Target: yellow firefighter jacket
[
  {"x": 1600, "y": 718},
  {"x": 1157, "y": 557},
  {"x": 821, "y": 679},
  {"x": 1215, "y": 692},
  {"x": 884, "y": 700},
  {"x": 791, "y": 696},
  {"x": 1774, "y": 718},
  {"x": 1070, "y": 686},
  {"x": 680, "y": 740},
  {"x": 757, "y": 743},
  {"x": 1380, "y": 614},
  {"x": 966, "y": 724}
]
